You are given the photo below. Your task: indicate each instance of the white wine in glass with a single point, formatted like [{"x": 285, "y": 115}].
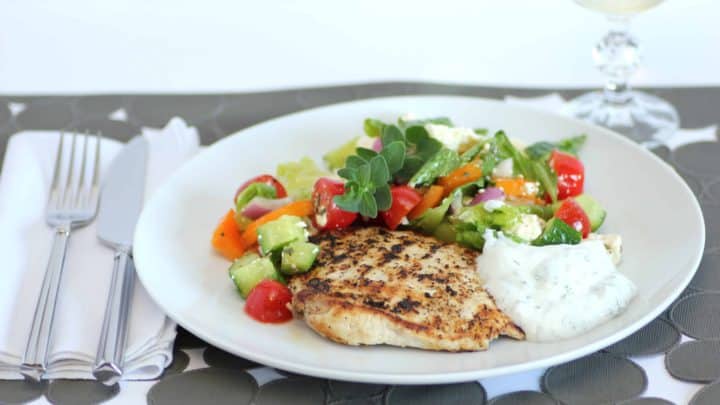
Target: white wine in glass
[{"x": 644, "y": 118}]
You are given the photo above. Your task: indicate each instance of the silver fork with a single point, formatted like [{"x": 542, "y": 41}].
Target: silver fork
[{"x": 71, "y": 204}]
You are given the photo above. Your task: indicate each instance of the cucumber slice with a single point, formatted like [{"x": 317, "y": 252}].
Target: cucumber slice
[
  {"x": 595, "y": 212},
  {"x": 558, "y": 232},
  {"x": 278, "y": 233},
  {"x": 246, "y": 273},
  {"x": 298, "y": 257}
]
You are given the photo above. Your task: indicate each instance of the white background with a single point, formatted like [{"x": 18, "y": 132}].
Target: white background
[{"x": 225, "y": 46}]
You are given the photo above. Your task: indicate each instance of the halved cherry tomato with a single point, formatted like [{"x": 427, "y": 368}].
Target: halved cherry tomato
[
  {"x": 268, "y": 302},
  {"x": 572, "y": 214},
  {"x": 327, "y": 215},
  {"x": 267, "y": 179},
  {"x": 404, "y": 199},
  {"x": 570, "y": 174}
]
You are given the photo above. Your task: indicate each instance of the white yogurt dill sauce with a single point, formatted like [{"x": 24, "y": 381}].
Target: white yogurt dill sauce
[{"x": 553, "y": 292}]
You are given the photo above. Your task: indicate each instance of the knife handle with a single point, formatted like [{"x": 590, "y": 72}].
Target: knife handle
[{"x": 111, "y": 349}]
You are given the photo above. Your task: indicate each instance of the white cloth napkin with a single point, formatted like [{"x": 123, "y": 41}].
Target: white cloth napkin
[
  {"x": 555, "y": 103},
  {"x": 25, "y": 242}
]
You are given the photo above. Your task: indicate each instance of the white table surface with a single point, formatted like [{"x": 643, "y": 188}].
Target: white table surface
[{"x": 131, "y": 46}]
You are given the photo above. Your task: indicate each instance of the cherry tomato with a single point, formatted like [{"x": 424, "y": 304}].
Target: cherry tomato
[
  {"x": 570, "y": 174},
  {"x": 572, "y": 214},
  {"x": 404, "y": 199},
  {"x": 268, "y": 302},
  {"x": 267, "y": 179},
  {"x": 327, "y": 214}
]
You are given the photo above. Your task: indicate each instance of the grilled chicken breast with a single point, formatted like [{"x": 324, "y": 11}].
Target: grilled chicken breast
[{"x": 373, "y": 286}]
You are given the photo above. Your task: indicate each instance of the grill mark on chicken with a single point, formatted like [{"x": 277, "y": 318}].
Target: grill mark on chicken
[{"x": 374, "y": 286}]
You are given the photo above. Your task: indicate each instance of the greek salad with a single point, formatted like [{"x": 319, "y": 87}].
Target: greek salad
[{"x": 427, "y": 175}]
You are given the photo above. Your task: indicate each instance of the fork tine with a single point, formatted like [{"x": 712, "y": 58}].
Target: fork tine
[
  {"x": 94, "y": 190},
  {"x": 56, "y": 172},
  {"x": 68, "y": 192},
  {"x": 79, "y": 198}
]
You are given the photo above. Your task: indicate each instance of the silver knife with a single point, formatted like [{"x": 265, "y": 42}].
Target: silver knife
[{"x": 120, "y": 208}]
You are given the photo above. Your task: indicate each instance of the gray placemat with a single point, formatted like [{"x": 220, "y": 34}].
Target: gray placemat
[
  {"x": 698, "y": 315},
  {"x": 695, "y": 361},
  {"x": 215, "y": 116},
  {"x": 595, "y": 379}
]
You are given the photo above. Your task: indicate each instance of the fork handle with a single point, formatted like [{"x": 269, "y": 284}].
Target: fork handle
[
  {"x": 109, "y": 360},
  {"x": 34, "y": 363}
]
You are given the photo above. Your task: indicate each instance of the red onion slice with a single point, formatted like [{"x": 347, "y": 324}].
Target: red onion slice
[
  {"x": 377, "y": 145},
  {"x": 490, "y": 193},
  {"x": 260, "y": 206}
]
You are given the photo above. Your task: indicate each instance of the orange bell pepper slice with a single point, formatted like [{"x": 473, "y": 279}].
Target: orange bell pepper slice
[
  {"x": 227, "y": 239},
  {"x": 302, "y": 208},
  {"x": 460, "y": 176},
  {"x": 430, "y": 199},
  {"x": 514, "y": 187}
]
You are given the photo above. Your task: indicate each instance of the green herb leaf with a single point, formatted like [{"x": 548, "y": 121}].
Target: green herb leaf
[
  {"x": 368, "y": 205},
  {"x": 394, "y": 155},
  {"x": 383, "y": 198},
  {"x": 379, "y": 173},
  {"x": 373, "y": 128},
  {"x": 546, "y": 178},
  {"x": 348, "y": 201},
  {"x": 354, "y": 161},
  {"x": 365, "y": 153},
  {"x": 481, "y": 131},
  {"x": 530, "y": 169},
  {"x": 391, "y": 134}
]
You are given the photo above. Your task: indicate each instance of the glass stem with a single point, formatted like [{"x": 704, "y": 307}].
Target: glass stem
[{"x": 617, "y": 56}]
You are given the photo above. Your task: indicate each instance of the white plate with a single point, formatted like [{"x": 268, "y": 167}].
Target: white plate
[{"x": 647, "y": 203}]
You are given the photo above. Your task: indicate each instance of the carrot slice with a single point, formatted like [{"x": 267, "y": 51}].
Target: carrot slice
[
  {"x": 460, "y": 176},
  {"x": 302, "y": 208},
  {"x": 430, "y": 199},
  {"x": 227, "y": 239}
]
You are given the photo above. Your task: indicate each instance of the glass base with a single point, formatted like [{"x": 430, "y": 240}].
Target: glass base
[{"x": 644, "y": 118}]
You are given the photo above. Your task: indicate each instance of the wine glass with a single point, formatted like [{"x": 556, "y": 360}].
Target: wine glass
[{"x": 642, "y": 117}]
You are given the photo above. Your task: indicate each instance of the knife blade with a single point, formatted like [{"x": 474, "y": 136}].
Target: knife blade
[
  {"x": 123, "y": 194},
  {"x": 120, "y": 206}
]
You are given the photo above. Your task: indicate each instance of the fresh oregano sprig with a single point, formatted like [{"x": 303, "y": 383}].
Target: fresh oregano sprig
[{"x": 367, "y": 173}]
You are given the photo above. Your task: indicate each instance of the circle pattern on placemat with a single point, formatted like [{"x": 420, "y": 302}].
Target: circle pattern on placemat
[
  {"x": 223, "y": 386},
  {"x": 597, "y": 378},
  {"x": 707, "y": 277},
  {"x": 292, "y": 391},
  {"x": 469, "y": 393},
  {"x": 658, "y": 336},
  {"x": 219, "y": 358},
  {"x": 77, "y": 392},
  {"x": 698, "y": 315},
  {"x": 697, "y": 361},
  {"x": 708, "y": 395},
  {"x": 20, "y": 391},
  {"x": 186, "y": 340},
  {"x": 699, "y": 158},
  {"x": 179, "y": 363},
  {"x": 349, "y": 390},
  {"x": 647, "y": 401},
  {"x": 524, "y": 398}
]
